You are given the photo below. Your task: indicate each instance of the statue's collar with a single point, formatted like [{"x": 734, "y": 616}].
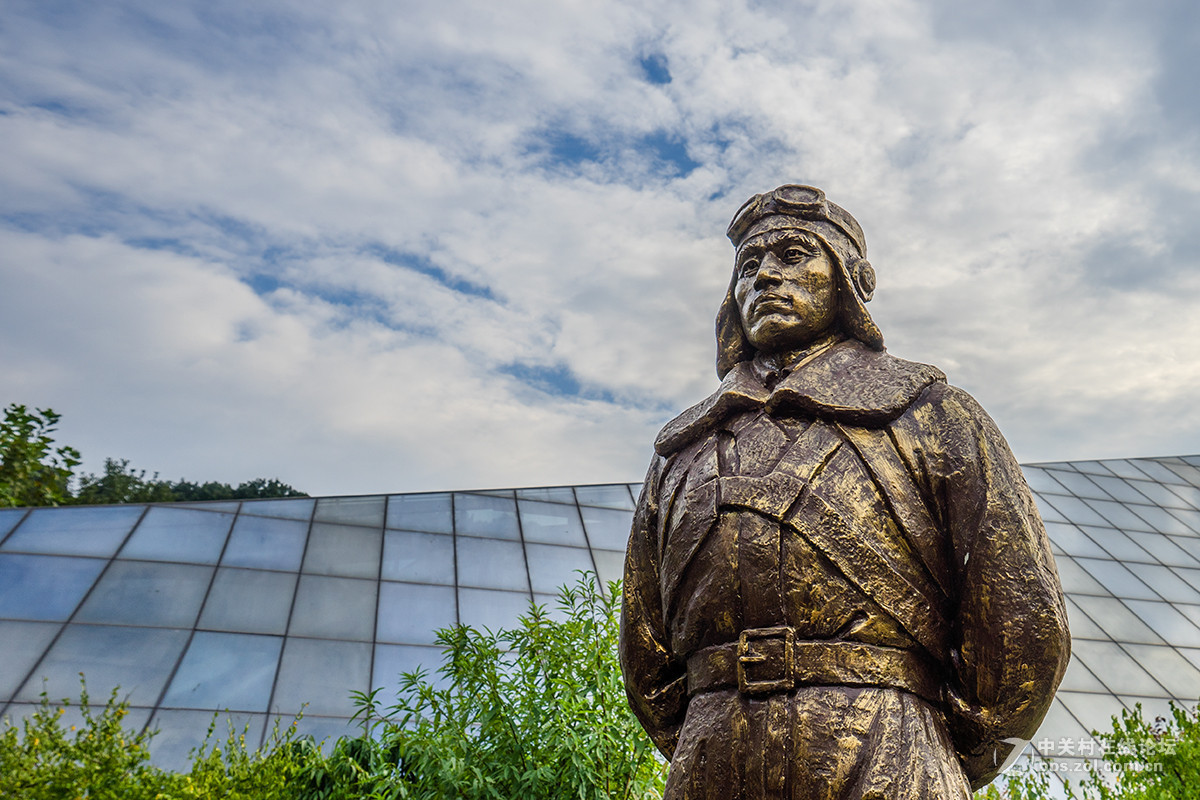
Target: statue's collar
[{"x": 847, "y": 383}]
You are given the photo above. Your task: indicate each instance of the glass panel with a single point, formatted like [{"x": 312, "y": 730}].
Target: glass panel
[
  {"x": 418, "y": 557},
  {"x": 44, "y": 587},
  {"x": 1192, "y": 576},
  {"x": 1120, "y": 489},
  {"x": 179, "y": 732},
  {"x": 1161, "y": 520},
  {"x": 1159, "y": 494},
  {"x": 1075, "y": 510},
  {"x": 1041, "y": 480},
  {"x": 366, "y": 511},
  {"x": 141, "y": 593},
  {"x": 482, "y": 608},
  {"x": 228, "y": 506},
  {"x": 1094, "y": 711},
  {"x": 1166, "y": 583},
  {"x": 1048, "y": 512},
  {"x": 1091, "y": 467},
  {"x": 606, "y": 528},
  {"x": 1116, "y": 620},
  {"x": 1189, "y": 494},
  {"x": 1073, "y": 541},
  {"x": 1169, "y": 668},
  {"x": 334, "y": 608},
  {"x": 420, "y": 512},
  {"x": 266, "y": 543},
  {"x": 610, "y": 564},
  {"x": 1119, "y": 516},
  {"x": 325, "y": 731},
  {"x": 393, "y": 659},
  {"x": 551, "y": 567},
  {"x": 1184, "y": 470},
  {"x": 1189, "y": 517},
  {"x": 1157, "y": 471},
  {"x": 616, "y": 496},
  {"x": 9, "y": 517},
  {"x": 1125, "y": 470},
  {"x": 1079, "y": 678},
  {"x": 1116, "y": 578},
  {"x": 1078, "y": 485},
  {"x": 300, "y": 508},
  {"x": 411, "y": 613},
  {"x": 250, "y": 601},
  {"x": 95, "y": 531},
  {"x": 24, "y": 643},
  {"x": 1167, "y": 622},
  {"x": 1120, "y": 673},
  {"x": 321, "y": 674},
  {"x": 551, "y": 523},
  {"x": 1189, "y": 611},
  {"x": 179, "y": 534},
  {"x": 1082, "y": 626},
  {"x": 1059, "y": 724},
  {"x": 139, "y": 660},
  {"x": 1117, "y": 545},
  {"x": 1165, "y": 548},
  {"x": 346, "y": 550},
  {"x": 1075, "y": 580},
  {"x": 491, "y": 564},
  {"x": 554, "y": 494},
  {"x": 481, "y": 515},
  {"x": 226, "y": 670}
]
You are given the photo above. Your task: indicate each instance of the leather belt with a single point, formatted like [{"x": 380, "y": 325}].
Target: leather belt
[{"x": 769, "y": 660}]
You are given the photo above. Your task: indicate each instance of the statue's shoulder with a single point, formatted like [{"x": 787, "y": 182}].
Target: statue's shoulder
[{"x": 850, "y": 384}]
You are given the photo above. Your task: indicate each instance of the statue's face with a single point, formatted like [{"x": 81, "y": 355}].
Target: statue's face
[{"x": 785, "y": 289}]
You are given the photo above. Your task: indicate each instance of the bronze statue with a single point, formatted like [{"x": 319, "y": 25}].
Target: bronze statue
[{"x": 837, "y": 583}]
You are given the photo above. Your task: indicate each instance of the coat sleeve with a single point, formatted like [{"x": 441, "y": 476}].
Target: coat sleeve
[
  {"x": 655, "y": 682},
  {"x": 1009, "y": 639}
]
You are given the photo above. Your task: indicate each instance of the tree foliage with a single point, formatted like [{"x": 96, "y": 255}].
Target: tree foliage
[
  {"x": 122, "y": 484},
  {"x": 33, "y": 472},
  {"x": 1141, "y": 760}
]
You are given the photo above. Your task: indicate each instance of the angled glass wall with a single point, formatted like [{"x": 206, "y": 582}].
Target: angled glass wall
[{"x": 264, "y": 608}]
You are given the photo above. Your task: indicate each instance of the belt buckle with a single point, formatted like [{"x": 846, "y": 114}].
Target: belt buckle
[{"x": 780, "y": 670}]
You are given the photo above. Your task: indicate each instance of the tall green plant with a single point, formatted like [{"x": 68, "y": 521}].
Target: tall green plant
[{"x": 537, "y": 711}]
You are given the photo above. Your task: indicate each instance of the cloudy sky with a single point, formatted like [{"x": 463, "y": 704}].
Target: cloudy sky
[{"x": 394, "y": 246}]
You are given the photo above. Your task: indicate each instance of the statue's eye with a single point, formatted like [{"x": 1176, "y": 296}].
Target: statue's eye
[
  {"x": 794, "y": 255},
  {"x": 749, "y": 267}
]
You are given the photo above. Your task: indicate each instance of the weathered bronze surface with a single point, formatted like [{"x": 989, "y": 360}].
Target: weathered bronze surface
[{"x": 837, "y": 583}]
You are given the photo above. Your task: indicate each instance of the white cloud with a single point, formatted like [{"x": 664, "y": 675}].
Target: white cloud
[{"x": 1026, "y": 208}]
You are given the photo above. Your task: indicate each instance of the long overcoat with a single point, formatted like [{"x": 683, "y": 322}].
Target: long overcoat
[{"x": 838, "y": 586}]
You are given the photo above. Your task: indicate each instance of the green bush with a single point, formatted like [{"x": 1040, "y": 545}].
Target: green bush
[{"x": 534, "y": 712}]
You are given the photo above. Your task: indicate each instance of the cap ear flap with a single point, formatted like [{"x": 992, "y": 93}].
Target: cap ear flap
[
  {"x": 859, "y": 287},
  {"x": 732, "y": 346}
]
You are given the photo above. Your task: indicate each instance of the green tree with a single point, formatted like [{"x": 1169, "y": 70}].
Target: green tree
[
  {"x": 122, "y": 484},
  {"x": 33, "y": 472},
  {"x": 1142, "y": 760},
  {"x": 536, "y": 711}
]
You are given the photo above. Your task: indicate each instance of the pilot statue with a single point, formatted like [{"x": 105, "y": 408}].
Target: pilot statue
[{"x": 837, "y": 585}]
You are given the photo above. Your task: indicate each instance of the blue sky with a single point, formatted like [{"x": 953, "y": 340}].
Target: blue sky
[{"x": 370, "y": 246}]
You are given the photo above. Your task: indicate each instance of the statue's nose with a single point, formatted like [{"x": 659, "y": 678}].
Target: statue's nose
[{"x": 768, "y": 272}]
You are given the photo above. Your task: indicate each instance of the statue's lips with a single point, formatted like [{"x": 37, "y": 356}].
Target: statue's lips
[{"x": 772, "y": 304}]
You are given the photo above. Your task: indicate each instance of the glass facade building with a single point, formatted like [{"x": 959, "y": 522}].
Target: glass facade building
[{"x": 263, "y": 608}]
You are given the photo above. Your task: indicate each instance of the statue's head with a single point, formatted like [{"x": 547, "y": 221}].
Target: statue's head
[{"x": 800, "y": 273}]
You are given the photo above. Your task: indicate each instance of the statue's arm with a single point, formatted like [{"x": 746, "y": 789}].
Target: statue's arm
[
  {"x": 1010, "y": 642},
  {"x": 655, "y": 682}
]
